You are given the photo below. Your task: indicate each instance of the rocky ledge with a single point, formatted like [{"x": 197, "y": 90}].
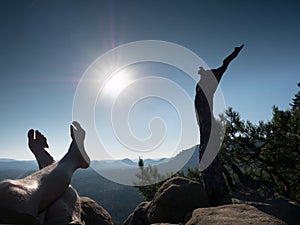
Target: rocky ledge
[{"x": 180, "y": 201}]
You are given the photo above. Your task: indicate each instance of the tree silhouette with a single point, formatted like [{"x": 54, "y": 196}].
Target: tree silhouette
[
  {"x": 264, "y": 157},
  {"x": 149, "y": 180},
  {"x": 214, "y": 182}
]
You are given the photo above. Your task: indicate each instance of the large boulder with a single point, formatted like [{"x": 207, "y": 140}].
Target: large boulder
[
  {"x": 93, "y": 213},
  {"x": 139, "y": 215},
  {"x": 175, "y": 199},
  {"x": 236, "y": 214}
]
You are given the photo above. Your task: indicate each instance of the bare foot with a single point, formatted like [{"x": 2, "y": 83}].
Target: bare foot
[
  {"x": 77, "y": 146},
  {"x": 37, "y": 146},
  {"x": 38, "y": 143}
]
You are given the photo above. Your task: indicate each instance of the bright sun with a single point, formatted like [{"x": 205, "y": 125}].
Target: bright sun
[{"x": 117, "y": 83}]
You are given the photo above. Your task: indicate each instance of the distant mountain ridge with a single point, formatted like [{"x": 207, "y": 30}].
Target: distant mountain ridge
[
  {"x": 190, "y": 153},
  {"x": 147, "y": 162},
  {"x": 7, "y": 160}
]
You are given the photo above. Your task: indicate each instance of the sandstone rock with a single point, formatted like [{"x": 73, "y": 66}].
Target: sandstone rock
[
  {"x": 239, "y": 214},
  {"x": 139, "y": 216},
  {"x": 175, "y": 199},
  {"x": 93, "y": 213},
  {"x": 283, "y": 209}
]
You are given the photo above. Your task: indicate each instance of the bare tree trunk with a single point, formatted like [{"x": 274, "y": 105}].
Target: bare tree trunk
[{"x": 213, "y": 179}]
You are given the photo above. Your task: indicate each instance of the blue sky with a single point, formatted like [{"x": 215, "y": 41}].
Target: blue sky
[{"x": 47, "y": 45}]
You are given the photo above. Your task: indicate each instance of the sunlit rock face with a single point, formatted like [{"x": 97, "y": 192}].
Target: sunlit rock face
[{"x": 233, "y": 214}]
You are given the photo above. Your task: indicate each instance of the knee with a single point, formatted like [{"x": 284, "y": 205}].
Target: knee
[
  {"x": 11, "y": 190},
  {"x": 8, "y": 186},
  {"x": 17, "y": 190}
]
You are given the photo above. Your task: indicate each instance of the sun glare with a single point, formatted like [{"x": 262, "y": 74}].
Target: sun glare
[{"x": 117, "y": 83}]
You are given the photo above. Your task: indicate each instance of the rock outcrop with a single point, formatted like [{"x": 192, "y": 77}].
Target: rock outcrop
[
  {"x": 180, "y": 201},
  {"x": 283, "y": 209},
  {"x": 233, "y": 214},
  {"x": 139, "y": 215},
  {"x": 93, "y": 213},
  {"x": 173, "y": 201}
]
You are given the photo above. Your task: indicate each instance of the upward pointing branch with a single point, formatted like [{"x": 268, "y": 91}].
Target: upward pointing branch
[{"x": 220, "y": 71}]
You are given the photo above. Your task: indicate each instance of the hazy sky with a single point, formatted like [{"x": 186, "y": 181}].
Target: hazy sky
[{"x": 46, "y": 46}]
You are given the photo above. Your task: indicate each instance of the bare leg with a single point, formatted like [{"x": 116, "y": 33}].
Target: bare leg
[
  {"x": 68, "y": 205},
  {"x": 33, "y": 194}
]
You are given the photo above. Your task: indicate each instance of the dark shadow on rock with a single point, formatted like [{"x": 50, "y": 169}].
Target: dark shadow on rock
[
  {"x": 13, "y": 217},
  {"x": 283, "y": 209},
  {"x": 139, "y": 215}
]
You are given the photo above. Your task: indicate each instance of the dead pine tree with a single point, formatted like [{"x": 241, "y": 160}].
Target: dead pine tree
[{"x": 213, "y": 179}]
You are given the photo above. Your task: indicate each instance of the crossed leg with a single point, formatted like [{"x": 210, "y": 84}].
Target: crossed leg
[
  {"x": 67, "y": 207},
  {"x": 35, "y": 193}
]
